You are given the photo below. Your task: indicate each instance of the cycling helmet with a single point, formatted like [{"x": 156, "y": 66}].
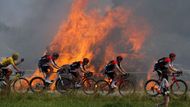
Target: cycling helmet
[
  {"x": 55, "y": 55},
  {"x": 15, "y": 56},
  {"x": 119, "y": 58},
  {"x": 172, "y": 55},
  {"x": 85, "y": 61}
]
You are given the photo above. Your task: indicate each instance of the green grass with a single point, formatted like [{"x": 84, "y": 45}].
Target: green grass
[{"x": 56, "y": 100}]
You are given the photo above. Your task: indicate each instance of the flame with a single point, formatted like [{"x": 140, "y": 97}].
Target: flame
[
  {"x": 85, "y": 31},
  {"x": 99, "y": 37},
  {"x": 150, "y": 72}
]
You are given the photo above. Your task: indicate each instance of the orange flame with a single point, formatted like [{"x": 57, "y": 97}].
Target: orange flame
[
  {"x": 80, "y": 36},
  {"x": 90, "y": 34}
]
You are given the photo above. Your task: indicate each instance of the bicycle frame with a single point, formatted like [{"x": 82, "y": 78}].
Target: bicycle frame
[
  {"x": 119, "y": 79},
  {"x": 174, "y": 78}
]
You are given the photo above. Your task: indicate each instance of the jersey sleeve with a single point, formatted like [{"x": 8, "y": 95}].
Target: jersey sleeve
[
  {"x": 49, "y": 57},
  {"x": 167, "y": 60},
  {"x": 114, "y": 62}
]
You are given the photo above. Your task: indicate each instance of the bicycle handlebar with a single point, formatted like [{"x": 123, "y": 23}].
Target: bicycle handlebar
[
  {"x": 177, "y": 74},
  {"x": 21, "y": 73}
]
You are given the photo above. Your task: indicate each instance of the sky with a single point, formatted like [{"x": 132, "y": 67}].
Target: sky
[{"x": 28, "y": 26}]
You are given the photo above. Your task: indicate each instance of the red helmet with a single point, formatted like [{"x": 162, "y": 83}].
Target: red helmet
[{"x": 172, "y": 55}]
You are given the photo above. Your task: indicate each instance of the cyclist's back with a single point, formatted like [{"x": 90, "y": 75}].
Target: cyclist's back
[
  {"x": 111, "y": 66},
  {"x": 75, "y": 65},
  {"x": 161, "y": 65},
  {"x": 7, "y": 61}
]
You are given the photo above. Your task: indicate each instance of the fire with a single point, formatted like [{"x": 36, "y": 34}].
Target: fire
[
  {"x": 85, "y": 31},
  {"x": 150, "y": 73},
  {"x": 99, "y": 37}
]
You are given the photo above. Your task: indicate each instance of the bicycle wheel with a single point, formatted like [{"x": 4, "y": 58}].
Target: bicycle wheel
[
  {"x": 179, "y": 88},
  {"x": 88, "y": 86},
  {"x": 37, "y": 84},
  {"x": 21, "y": 85},
  {"x": 151, "y": 88},
  {"x": 126, "y": 88},
  {"x": 102, "y": 87},
  {"x": 64, "y": 85}
]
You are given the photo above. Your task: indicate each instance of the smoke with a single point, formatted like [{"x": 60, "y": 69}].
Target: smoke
[
  {"x": 28, "y": 26},
  {"x": 169, "y": 21}
]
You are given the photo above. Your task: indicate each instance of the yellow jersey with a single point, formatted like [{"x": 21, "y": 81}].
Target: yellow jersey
[{"x": 7, "y": 61}]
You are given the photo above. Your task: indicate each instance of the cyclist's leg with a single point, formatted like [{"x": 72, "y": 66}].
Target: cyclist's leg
[
  {"x": 76, "y": 78},
  {"x": 6, "y": 73},
  {"x": 112, "y": 75},
  {"x": 165, "y": 84},
  {"x": 159, "y": 72},
  {"x": 47, "y": 70},
  {"x": 165, "y": 90},
  {"x": 9, "y": 72}
]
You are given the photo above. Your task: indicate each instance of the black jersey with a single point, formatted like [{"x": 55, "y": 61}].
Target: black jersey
[
  {"x": 45, "y": 59},
  {"x": 76, "y": 65},
  {"x": 111, "y": 65}
]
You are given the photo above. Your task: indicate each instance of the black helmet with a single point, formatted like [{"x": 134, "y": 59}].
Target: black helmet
[
  {"x": 85, "y": 61},
  {"x": 55, "y": 55},
  {"x": 119, "y": 58},
  {"x": 172, "y": 55}
]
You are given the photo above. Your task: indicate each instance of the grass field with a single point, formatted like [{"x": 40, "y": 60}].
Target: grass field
[{"x": 56, "y": 100}]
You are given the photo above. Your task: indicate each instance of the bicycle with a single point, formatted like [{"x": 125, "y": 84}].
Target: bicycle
[
  {"x": 67, "y": 83},
  {"x": 39, "y": 85},
  {"x": 125, "y": 86},
  {"x": 178, "y": 87},
  {"x": 18, "y": 83}
]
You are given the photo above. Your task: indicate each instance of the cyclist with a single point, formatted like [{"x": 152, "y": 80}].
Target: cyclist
[
  {"x": 77, "y": 66},
  {"x": 110, "y": 70},
  {"x": 47, "y": 63},
  {"x": 164, "y": 66},
  {"x": 6, "y": 62}
]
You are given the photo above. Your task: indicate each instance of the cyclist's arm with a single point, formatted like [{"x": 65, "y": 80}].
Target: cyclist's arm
[
  {"x": 54, "y": 64},
  {"x": 16, "y": 68},
  {"x": 120, "y": 69},
  {"x": 14, "y": 65},
  {"x": 172, "y": 68},
  {"x": 83, "y": 69}
]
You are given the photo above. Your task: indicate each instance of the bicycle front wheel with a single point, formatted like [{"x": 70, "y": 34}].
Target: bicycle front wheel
[
  {"x": 21, "y": 85},
  {"x": 89, "y": 86},
  {"x": 126, "y": 88},
  {"x": 179, "y": 88}
]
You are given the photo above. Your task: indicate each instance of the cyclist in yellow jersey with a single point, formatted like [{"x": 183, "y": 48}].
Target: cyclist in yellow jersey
[{"x": 6, "y": 62}]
